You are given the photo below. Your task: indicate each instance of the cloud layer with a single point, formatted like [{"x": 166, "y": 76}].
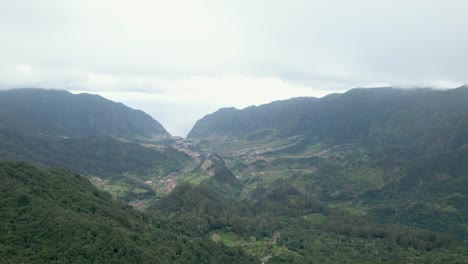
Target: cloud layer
[{"x": 178, "y": 59}]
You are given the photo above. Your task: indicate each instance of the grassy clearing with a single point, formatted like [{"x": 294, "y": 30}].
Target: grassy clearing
[
  {"x": 358, "y": 209},
  {"x": 316, "y": 218},
  {"x": 193, "y": 178},
  {"x": 118, "y": 189},
  {"x": 263, "y": 249}
]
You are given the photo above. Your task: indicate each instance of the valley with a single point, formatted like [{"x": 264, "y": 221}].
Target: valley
[{"x": 368, "y": 176}]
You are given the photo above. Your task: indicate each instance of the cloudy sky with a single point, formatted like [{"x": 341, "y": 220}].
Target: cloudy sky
[{"x": 179, "y": 60}]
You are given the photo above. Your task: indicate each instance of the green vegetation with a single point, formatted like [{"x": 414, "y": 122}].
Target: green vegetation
[
  {"x": 368, "y": 176},
  {"x": 285, "y": 225},
  {"x": 88, "y": 134},
  {"x": 391, "y": 163},
  {"x": 119, "y": 163},
  {"x": 264, "y": 249},
  {"x": 377, "y": 116},
  {"x": 100, "y": 156},
  {"x": 55, "y": 216}
]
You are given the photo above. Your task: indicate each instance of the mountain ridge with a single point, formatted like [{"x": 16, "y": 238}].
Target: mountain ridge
[
  {"x": 61, "y": 112},
  {"x": 340, "y": 117}
]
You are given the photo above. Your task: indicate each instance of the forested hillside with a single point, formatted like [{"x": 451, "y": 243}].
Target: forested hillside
[
  {"x": 56, "y": 216},
  {"x": 101, "y": 139},
  {"x": 283, "y": 225},
  {"x": 389, "y": 156}
]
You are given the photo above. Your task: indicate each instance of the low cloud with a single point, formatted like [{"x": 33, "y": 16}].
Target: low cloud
[{"x": 230, "y": 53}]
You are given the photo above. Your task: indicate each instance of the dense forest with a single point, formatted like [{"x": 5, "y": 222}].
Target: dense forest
[
  {"x": 284, "y": 225},
  {"x": 56, "y": 216}
]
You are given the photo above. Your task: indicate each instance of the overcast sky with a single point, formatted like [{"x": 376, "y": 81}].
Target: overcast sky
[{"x": 179, "y": 60}]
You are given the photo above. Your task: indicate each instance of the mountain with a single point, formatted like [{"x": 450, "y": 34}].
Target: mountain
[
  {"x": 121, "y": 167},
  {"x": 55, "y": 216},
  {"x": 61, "y": 112},
  {"x": 383, "y": 169},
  {"x": 383, "y": 115},
  {"x": 392, "y": 156},
  {"x": 117, "y": 147},
  {"x": 368, "y": 176}
]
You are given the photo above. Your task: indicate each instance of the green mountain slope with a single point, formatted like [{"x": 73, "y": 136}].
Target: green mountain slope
[
  {"x": 100, "y": 156},
  {"x": 55, "y": 216},
  {"x": 122, "y": 167},
  {"x": 119, "y": 148},
  {"x": 61, "y": 112},
  {"x": 384, "y": 115},
  {"x": 389, "y": 155}
]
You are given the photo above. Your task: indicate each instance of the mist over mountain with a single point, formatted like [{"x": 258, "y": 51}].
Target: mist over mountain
[{"x": 57, "y": 111}]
